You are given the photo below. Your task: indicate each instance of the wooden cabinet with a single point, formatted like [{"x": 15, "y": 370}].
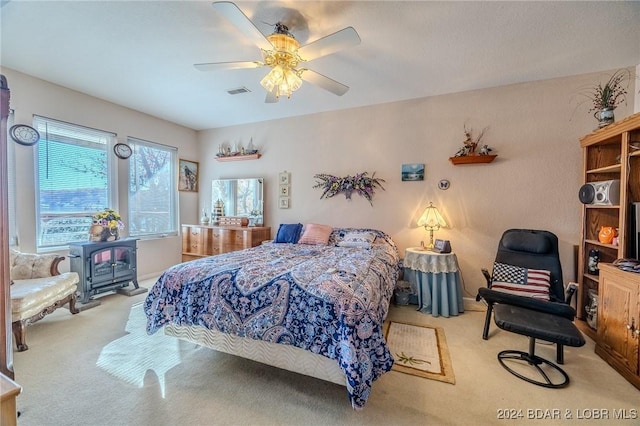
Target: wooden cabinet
[
  {"x": 9, "y": 391},
  {"x": 618, "y": 321},
  {"x": 202, "y": 240},
  {"x": 610, "y": 153}
]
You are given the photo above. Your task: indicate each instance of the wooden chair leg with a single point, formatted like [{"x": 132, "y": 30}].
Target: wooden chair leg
[
  {"x": 20, "y": 331},
  {"x": 72, "y": 304},
  {"x": 487, "y": 321}
]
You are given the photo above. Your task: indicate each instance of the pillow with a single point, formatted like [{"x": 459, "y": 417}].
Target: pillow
[
  {"x": 520, "y": 281},
  {"x": 316, "y": 234},
  {"x": 288, "y": 233},
  {"x": 357, "y": 239}
]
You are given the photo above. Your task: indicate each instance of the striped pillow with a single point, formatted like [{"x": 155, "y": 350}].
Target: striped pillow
[
  {"x": 520, "y": 281},
  {"x": 316, "y": 234}
]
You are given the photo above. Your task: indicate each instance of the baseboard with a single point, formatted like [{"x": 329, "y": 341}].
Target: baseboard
[{"x": 470, "y": 304}]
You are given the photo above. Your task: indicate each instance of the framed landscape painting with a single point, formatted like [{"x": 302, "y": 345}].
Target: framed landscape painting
[
  {"x": 188, "y": 176},
  {"x": 412, "y": 172}
]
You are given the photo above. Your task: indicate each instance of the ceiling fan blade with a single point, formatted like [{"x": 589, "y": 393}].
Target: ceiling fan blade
[
  {"x": 324, "y": 82},
  {"x": 215, "y": 66},
  {"x": 242, "y": 23},
  {"x": 332, "y": 43},
  {"x": 271, "y": 97}
]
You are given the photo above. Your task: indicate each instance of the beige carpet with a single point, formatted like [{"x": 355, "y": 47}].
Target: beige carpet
[
  {"x": 66, "y": 380},
  {"x": 420, "y": 351}
]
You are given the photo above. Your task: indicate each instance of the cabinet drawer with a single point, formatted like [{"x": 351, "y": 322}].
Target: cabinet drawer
[
  {"x": 198, "y": 241},
  {"x": 193, "y": 240}
]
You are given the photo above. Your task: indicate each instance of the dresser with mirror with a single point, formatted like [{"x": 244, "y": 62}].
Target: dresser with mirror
[{"x": 236, "y": 221}]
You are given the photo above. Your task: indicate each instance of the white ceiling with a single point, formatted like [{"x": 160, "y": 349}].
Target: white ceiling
[{"x": 140, "y": 54}]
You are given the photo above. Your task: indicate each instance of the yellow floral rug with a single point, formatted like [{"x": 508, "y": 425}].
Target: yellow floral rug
[{"x": 420, "y": 351}]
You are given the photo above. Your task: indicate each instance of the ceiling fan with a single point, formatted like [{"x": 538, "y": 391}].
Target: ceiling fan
[{"x": 283, "y": 54}]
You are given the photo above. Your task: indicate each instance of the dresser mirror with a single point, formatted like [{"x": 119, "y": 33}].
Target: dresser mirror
[{"x": 239, "y": 197}]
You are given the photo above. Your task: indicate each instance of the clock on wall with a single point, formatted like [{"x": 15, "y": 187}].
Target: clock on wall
[
  {"x": 122, "y": 150},
  {"x": 24, "y": 135}
]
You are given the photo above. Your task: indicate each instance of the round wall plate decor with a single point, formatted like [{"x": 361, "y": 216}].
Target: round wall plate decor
[
  {"x": 24, "y": 135},
  {"x": 444, "y": 184}
]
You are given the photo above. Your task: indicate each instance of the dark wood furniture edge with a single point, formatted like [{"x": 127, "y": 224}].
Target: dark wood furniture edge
[{"x": 20, "y": 327}]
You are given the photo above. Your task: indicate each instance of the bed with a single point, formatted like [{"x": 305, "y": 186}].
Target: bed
[{"x": 313, "y": 309}]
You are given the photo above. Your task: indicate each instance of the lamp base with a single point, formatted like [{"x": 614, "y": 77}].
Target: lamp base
[{"x": 428, "y": 247}]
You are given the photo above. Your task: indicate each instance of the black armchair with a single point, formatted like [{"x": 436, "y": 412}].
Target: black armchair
[{"x": 549, "y": 320}]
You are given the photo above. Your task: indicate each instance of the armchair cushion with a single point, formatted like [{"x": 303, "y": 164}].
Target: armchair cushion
[
  {"x": 557, "y": 308},
  {"x": 27, "y": 266},
  {"x": 521, "y": 281},
  {"x": 31, "y": 296}
]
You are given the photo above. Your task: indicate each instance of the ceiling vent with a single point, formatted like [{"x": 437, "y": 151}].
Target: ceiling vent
[{"x": 238, "y": 91}]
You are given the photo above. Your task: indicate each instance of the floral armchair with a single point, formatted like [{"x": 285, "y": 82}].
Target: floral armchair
[{"x": 37, "y": 289}]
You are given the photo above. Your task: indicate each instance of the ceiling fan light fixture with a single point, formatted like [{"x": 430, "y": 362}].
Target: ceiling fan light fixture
[
  {"x": 284, "y": 43},
  {"x": 282, "y": 53},
  {"x": 283, "y": 80}
]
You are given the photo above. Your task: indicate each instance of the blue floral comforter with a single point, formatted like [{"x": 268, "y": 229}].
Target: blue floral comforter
[{"x": 329, "y": 300}]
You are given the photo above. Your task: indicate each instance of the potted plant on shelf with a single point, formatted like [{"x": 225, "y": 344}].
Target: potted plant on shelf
[{"x": 606, "y": 97}]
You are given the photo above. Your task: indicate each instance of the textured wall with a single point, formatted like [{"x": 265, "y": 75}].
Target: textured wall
[
  {"x": 33, "y": 96},
  {"x": 533, "y": 128}
]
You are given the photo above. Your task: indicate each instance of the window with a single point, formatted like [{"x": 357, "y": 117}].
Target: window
[
  {"x": 74, "y": 179},
  {"x": 153, "y": 204}
]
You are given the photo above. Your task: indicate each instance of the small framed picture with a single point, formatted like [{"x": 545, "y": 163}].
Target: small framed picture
[
  {"x": 284, "y": 178},
  {"x": 188, "y": 176},
  {"x": 284, "y": 190},
  {"x": 412, "y": 172},
  {"x": 284, "y": 202}
]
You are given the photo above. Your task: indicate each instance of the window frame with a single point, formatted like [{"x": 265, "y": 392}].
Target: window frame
[
  {"x": 134, "y": 142},
  {"x": 111, "y": 172}
]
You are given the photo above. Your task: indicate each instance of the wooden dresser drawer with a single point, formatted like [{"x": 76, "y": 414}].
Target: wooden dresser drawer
[{"x": 203, "y": 240}]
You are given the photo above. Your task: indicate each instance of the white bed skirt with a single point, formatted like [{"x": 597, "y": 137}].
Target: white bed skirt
[{"x": 286, "y": 357}]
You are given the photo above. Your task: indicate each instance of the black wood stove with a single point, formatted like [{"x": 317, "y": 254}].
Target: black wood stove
[{"x": 103, "y": 266}]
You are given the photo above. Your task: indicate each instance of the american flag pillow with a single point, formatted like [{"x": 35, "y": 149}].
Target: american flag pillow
[{"x": 521, "y": 281}]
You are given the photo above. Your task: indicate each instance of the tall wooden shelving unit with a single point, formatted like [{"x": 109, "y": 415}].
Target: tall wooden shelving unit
[{"x": 607, "y": 154}]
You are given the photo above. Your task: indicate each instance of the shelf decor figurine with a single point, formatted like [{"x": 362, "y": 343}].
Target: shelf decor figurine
[
  {"x": 204, "y": 219},
  {"x": 607, "y": 234}
]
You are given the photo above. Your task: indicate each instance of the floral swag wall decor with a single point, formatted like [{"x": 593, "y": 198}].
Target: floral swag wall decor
[{"x": 361, "y": 183}]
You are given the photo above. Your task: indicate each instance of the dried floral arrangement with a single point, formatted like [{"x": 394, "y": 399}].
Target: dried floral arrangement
[
  {"x": 361, "y": 184},
  {"x": 610, "y": 94},
  {"x": 470, "y": 144}
]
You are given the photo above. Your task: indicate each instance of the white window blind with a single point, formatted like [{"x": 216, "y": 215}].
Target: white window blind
[
  {"x": 153, "y": 200},
  {"x": 74, "y": 179}
]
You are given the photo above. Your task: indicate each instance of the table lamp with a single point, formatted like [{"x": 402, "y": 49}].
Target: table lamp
[{"x": 432, "y": 220}]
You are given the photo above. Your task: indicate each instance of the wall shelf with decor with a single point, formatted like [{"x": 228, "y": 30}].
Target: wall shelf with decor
[
  {"x": 472, "y": 159},
  {"x": 238, "y": 157}
]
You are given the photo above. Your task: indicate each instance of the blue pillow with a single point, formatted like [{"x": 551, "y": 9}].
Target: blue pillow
[{"x": 288, "y": 233}]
